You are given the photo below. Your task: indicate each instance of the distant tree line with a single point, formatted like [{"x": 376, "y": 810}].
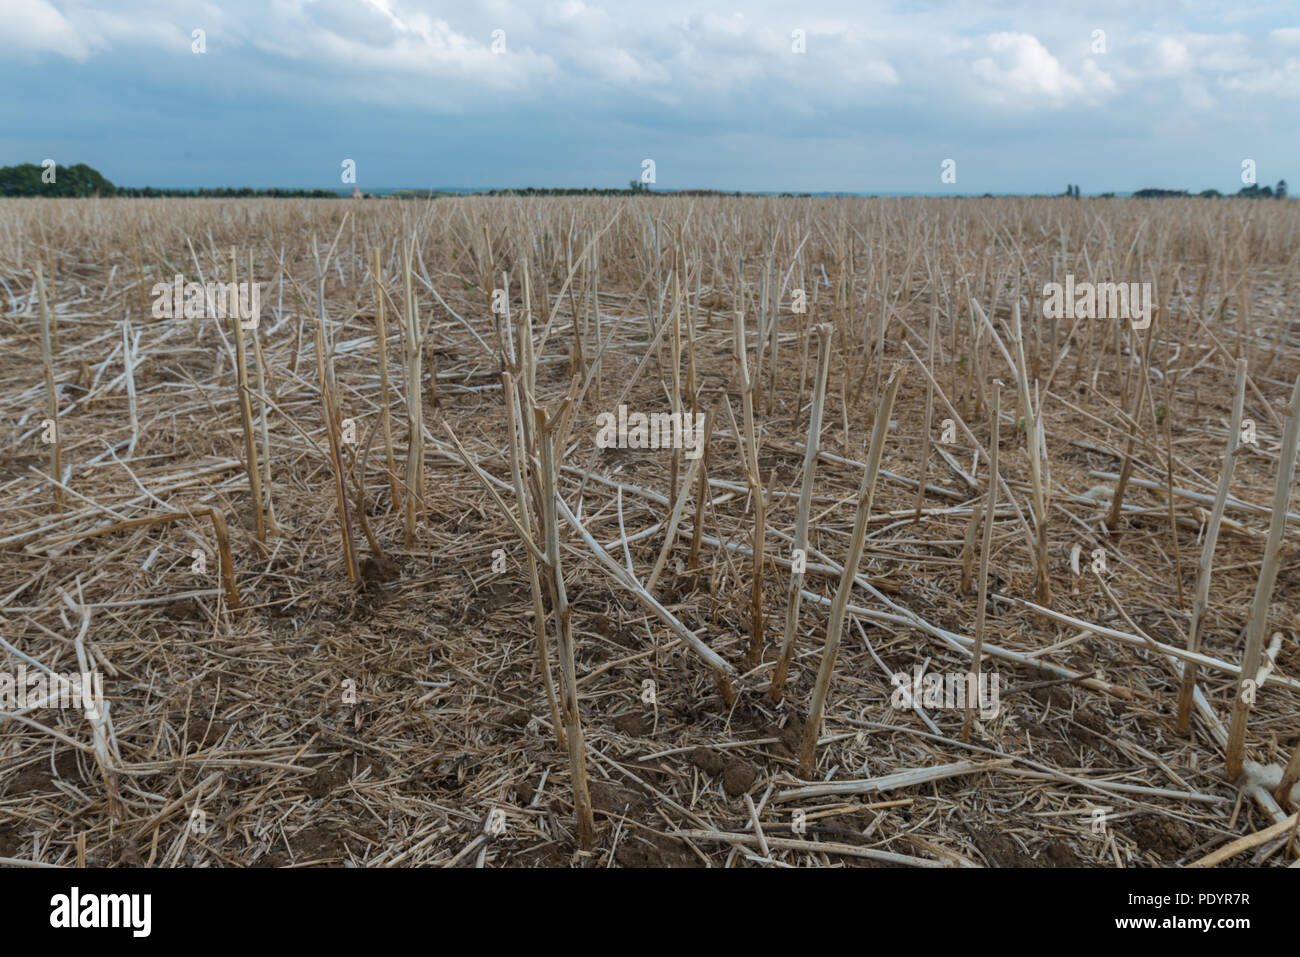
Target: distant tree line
[
  {"x": 634, "y": 188},
  {"x": 225, "y": 192},
  {"x": 28, "y": 179},
  {"x": 1253, "y": 191}
]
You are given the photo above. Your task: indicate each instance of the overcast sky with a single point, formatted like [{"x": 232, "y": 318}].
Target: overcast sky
[{"x": 1016, "y": 94}]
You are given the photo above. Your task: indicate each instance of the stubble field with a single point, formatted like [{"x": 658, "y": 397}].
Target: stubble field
[{"x": 329, "y": 637}]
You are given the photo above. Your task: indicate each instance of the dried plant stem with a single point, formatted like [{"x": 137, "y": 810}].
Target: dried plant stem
[
  {"x": 264, "y": 386},
  {"x": 105, "y": 745},
  {"x": 225, "y": 559},
  {"x": 1290, "y": 774},
  {"x": 381, "y": 347},
  {"x": 676, "y": 352},
  {"x": 246, "y": 410},
  {"x": 968, "y": 546},
  {"x": 756, "y": 492},
  {"x": 671, "y": 536},
  {"x": 534, "y": 581},
  {"x": 414, "y": 406},
  {"x": 358, "y": 471},
  {"x": 777, "y": 687},
  {"x": 1246, "y": 843},
  {"x": 1169, "y": 502},
  {"x": 227, "y": 566},
  {"x": 835, "y": 628},
  {"x": 1258, "y": 621},
  {"x": 1038, "y": 464},
  {"x": 336, "y": 461},
  {"x": 720, "y": 667},
  {"x": 986, "y": 550},
  {"x": 51, "y": 390},
  {"x": 564, "y": 632},
  {"x": 928, "y": 425},
  {"x": 1040, "y": 480},
  {"x": 1202, "y": 600},
  {"x": 701, "y": 495},
  {"x": 128, "y": 370},
  {"x": 1121, "y": 486}
]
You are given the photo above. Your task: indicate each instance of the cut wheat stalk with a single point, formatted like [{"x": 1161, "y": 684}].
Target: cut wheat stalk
[
  {"x": 701, "y": 494},
  {"x": 928, "y": 424},
  {"x": 265, "y": 387},
  {"x": 562, "y": 615},
  {"x": 329, "y": 415},
  {"x": 676, "y": 400},
  {"x": 968, "y": 546},
  {"x": 534, "y": 580},
  {"x": 986, "y": 555},
  {"x": 1037, "y": 442},
  {"x": 835, "y": 628},
  {"x": 1257, "y": 624},
  {"x": 670, "y": 537},
  {"x": 104, "y": 742},
  {"x": 777, "y": 686},
  {"x": 251, "y": 466},
  {"x": 51, "y": 390},
  {"x": 128, "y": 370},
  {"x": 1202, "y": 600},
  {"x": 357, "y": 469},
  {"x": 414, "y": 405},
  {"x": 756, "y": 491},
  {"x": 1039, "y": 475},
  {"x": 1170, "y": 511},
  {"x": 381, "y": 348}
]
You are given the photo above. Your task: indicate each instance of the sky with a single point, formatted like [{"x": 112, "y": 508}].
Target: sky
[{"x": 1021, "y": 97}]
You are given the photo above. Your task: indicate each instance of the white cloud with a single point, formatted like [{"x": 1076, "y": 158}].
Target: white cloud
[
  {"x": 36, "y": 26},
  {"x": 1022, "y": 72},
  {"x": 733, "y": 66},
  {"x": 1283, "y": 81},
  {"x": 1171, "y": 56}
]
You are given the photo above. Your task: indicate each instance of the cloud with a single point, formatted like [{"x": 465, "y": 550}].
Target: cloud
[
  {"x": 1283, "y": 81},
  {"x": 586, "y": 87},
  {"x": 1022, "y": 72},
  {"x": 36, "y": 26}
]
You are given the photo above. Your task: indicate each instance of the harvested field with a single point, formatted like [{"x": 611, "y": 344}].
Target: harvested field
[{"x": 329, "y": 638}]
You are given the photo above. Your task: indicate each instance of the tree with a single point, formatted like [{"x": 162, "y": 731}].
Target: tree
[{"x": 1280, "y": 192}]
